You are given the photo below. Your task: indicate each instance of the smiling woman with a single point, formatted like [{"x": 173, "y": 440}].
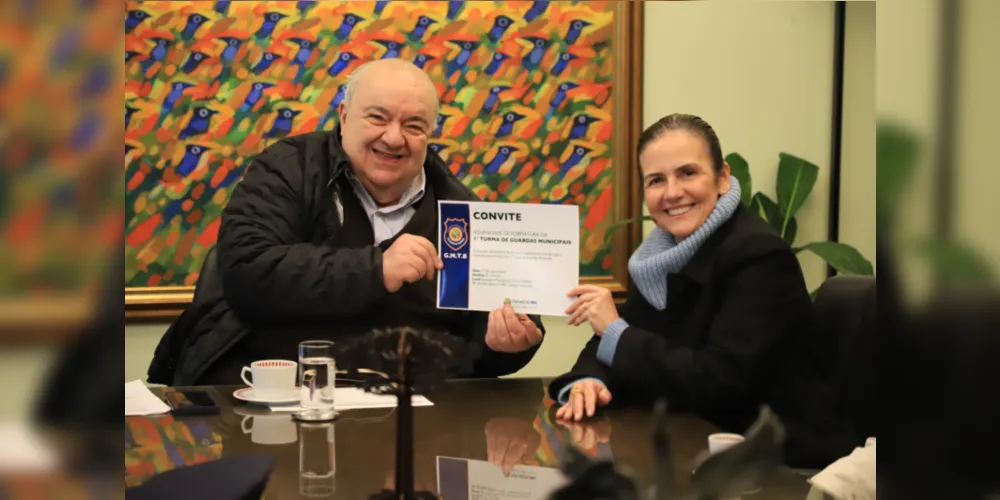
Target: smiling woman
[{"x": 715, "y": 300}]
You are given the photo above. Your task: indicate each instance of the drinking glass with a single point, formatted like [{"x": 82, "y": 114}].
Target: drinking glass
[
  {"x": 317, "y": 374},
  {"x": 317, "y": 460}
]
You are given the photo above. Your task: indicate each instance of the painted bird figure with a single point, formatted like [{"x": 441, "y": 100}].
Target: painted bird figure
[
  {"x": 134, "y": 18},
  {"x": 339, "y": 97},
  {"x": 256, "y": 92},
  {"x": 176, "y": 92},
  {"x": 421, "y": 60},
  {"x": 439, "y": 123},
  {"x": 193, "y": 62},
  {"x": 391, "y": 48},
  {"x": 534, "y": 58},
  {"x": 560, "y": 95},
  {"x": 347, "y": 25},
  {"x": 454, "y": 7},
  {"x": 332, "y": 109},
  {"x": 282, "y": 123},
  {"x": 493, "y": 99},
  {"x": 576, "y": 27},
  {"x": 229, "y": 56},
  {"x": 537, "y": 9},
  {"x": 201, "y": 119},
  {"x": 500, "y": 25},
  {"x": 194, "y": 21},
  {"x": 507, "y": 126},
  {"x": 265, "y": 62},
  {"x": 271, "y": 20},
  {"x": 458, "y": 63},
  {"x": 578, "y": 154},
  {"x": 232, "y": 48},
  {"x": 580, "y": 125},
  {"x": 342, "y": 62},
  {"x": 562, "y": 62},
  {"x": 191, "y": 159},
  {"x": 158, "y": 54},
  {"x": 302, "y": 56},
  {"x": 502, "y": 155},
  {"x": 303, "y": 6},
  {"x": 129, "y": 110},
  {"x": 496, "y": 62},
  {"x": 420, "y": 28}
]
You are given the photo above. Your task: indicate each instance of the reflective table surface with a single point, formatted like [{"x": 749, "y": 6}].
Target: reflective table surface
[{"x": 504, "y": 422}]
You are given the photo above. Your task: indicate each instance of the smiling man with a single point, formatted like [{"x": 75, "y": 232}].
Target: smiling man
[{"x": 330, "y": 235}]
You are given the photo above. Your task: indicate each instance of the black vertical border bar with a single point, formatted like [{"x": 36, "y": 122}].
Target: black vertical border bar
[
  {"x": 944, "y": 208},
  {"x": 836, "y": 127}
]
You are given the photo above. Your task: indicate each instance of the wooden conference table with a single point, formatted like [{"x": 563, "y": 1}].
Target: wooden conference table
[{"x": 504, "y": 421}]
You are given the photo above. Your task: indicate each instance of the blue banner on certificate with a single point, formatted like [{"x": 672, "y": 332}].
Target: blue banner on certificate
[{"x": 527, "y": 255}]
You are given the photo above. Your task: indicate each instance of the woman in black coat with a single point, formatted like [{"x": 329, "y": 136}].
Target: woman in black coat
[{"x": 715, "y": 301}]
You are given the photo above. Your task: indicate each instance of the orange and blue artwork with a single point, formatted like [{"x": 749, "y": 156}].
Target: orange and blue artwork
[
  {"x": 525, "y": 90},
  {"x": 157, "y": 444}
]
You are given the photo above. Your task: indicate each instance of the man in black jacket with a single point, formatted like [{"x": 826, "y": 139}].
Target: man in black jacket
[{"x": 329, "y": 235}]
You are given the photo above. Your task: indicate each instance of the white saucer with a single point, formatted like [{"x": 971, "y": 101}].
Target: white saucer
[{"x": 246, "y": 394}]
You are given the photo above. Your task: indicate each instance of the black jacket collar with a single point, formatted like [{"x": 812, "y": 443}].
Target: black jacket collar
[{"x": 699, "y": 268}]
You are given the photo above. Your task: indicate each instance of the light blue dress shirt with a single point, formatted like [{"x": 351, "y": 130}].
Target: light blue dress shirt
[{"x": 386, "y": 221}]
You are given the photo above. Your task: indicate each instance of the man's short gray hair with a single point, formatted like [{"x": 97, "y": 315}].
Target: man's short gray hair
[{"x": 358, "y": 74}]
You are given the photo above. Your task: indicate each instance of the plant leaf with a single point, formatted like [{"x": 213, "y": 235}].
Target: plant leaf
[
  {"x": 739, "y": 168},
  {"x": 955, "y": 262},
  {"x": 896, "y": 155},
  {"x": 790, "y": 230},
  {"x": 609, "y": 232},
  {"x": 765, "y": 207},
  {"x": 796, "y": 178},
  {"x": 844, "y": 258}
]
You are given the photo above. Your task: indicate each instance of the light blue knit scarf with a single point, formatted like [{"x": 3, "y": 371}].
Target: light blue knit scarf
[{"x": 660, "y": 254}]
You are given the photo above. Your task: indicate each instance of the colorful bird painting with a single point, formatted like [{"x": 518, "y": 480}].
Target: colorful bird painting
[{"x": 525, "y": 89}]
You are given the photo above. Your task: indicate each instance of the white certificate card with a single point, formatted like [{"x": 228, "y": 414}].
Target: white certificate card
[
  {"x": 495, "y": 253},
  {"x": 464, "y": 479}
]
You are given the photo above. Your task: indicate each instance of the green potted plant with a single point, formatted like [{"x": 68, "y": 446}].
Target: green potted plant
[{"x": 795, "y": 181}]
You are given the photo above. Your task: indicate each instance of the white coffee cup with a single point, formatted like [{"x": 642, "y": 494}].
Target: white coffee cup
[
  {"x": 270, "y": 429},
  {"x": 723, "y": 440},
  {"x": 271, "y": 377}
]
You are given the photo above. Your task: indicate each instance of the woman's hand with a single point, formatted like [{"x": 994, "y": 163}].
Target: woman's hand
[
  {"x": 593, "y": 304},
  {"x": 586, "y": 435},
  {"x": 584, "y": 398}
]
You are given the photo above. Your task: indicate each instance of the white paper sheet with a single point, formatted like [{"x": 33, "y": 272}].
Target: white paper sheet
[
  {"x": 463, "y": 479},
  {"x": 524, "y": 254},
  {"x": 22, "y": 450},
  {"x": 853, "y": 476},
  {"x": 352, "y": 398},
  {"x": 139, "y": 400}
]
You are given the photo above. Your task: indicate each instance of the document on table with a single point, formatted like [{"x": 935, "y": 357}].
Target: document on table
[
  {"x": 23, "y": 449},
  {"x": 527, "y": 255},
  {"x": 139, "y": 400},
  {"x": 463, "y": 479},
  {"x": 352, "y": 398}
]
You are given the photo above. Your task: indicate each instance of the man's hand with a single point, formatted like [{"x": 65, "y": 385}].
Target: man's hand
[
  {"x": 594, "y": 304},
  {"x": 584, "y": 398},
  {"x": 510, "y": 332},
  {"x": 407, "y": 260},
  {"x": 509, "y": 442}
]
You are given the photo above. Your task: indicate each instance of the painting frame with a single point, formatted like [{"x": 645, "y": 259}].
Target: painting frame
[{"x": 144, "y": 304}]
